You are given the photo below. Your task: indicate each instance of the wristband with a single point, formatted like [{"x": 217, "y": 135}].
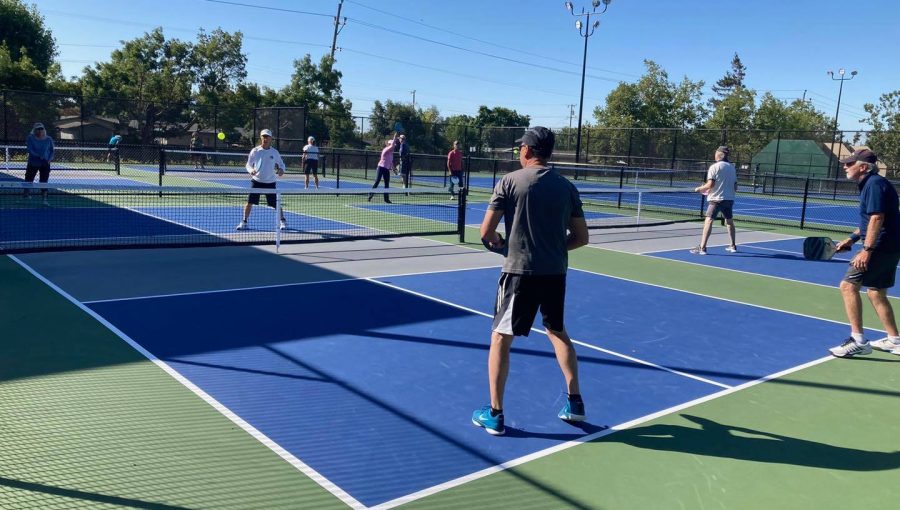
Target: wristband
[{"x": 855, "y": 237}]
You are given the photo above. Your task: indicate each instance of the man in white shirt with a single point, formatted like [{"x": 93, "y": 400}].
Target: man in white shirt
[
  {"x": 264, "y": 166},
  {"x": 720, "y": 188},
  {"x": 311, "y": 161}
]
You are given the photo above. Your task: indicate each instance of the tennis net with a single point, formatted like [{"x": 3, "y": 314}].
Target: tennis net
[
  {"x": 82, "y": 162},
  {"x": 44, "y": 217},
  {"x": 619, "y": 208}
]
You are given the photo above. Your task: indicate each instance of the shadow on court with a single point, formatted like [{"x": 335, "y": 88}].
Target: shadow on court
[
  {"x": 84, "y": 496},
  {"x": 715, "y": 439}
]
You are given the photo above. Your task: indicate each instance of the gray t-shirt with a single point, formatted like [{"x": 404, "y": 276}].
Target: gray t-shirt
[
  {"x": 725, "y": 176},
  {"x": 537, "y": 205}
]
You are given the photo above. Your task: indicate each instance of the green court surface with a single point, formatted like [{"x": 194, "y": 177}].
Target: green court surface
[{"x": 86, "y": 421}]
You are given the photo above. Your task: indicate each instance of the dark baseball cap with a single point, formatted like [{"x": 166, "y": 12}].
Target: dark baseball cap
[
  {"x": 864, "y": 155},
  {"x": 539, "y": 138}
]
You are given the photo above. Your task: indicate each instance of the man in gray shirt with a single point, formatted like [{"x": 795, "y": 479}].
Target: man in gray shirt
[
  {"x": 720, "y": 188},
  {"x": 544, "y": 220}
]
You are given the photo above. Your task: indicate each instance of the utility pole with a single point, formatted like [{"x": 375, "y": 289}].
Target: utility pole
[
  {"x": 413, "y": 92},
  {"x": 339, "y": 24},
  {"x": 571, "y": 114}
]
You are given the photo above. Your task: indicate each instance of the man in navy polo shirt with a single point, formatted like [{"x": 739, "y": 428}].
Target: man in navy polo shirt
[{"x": 875, "y": 266}]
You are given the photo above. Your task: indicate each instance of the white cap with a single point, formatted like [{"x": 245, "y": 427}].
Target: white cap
[
  {"x": 265, "y": 132},
  {"x": 37, "y": 125},
  {"x": 311, "y": 139}
]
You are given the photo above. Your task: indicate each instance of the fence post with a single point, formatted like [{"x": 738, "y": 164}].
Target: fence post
[
  {"x": 621, "y": 185},
  {"x": 674, "y": 149},
  {"x": 494, "y": 178},
  {"x": 81, "y": 117},
  {"x": 5, "y": 132},
  {"x": 337, "y": 170},
  {"x": 777, "y": 157},
  {"x": 215, "y": 128},
  {"x": 461, "y": 214},
  {"x": 366, "y": 164},
  {"x": 630, "y": 140},
  {"x": 805, "y": 198}
]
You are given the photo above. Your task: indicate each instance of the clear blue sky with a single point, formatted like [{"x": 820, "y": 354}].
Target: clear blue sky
[{"x": 387, "y": 49}]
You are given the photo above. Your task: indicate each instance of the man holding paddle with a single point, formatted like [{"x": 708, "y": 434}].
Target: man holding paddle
[
  {"x": 544, "y": 220},
  {"x": 720, "y": 188},
  {"x": 875, "y": 266}
]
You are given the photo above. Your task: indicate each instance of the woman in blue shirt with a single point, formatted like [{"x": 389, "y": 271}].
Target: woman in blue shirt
[{"x": 40, "y": 154}]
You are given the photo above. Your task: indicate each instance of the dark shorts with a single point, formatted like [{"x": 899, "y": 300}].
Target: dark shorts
[
  {"x": 42, "y": 169},
  {"x": 879, "y": 273},
  {"x": 520, "y": 296},
  {"x": 457, "y": 175},
  {"x": 311, "y": 166},
  {"x": 726, "y": 207},
  {"x": 271, "y": 199},
  {"x": 405, "y": 167}
]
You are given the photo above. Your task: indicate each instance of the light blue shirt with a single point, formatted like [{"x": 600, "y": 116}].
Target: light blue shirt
[{"x": 40, "y": 151}]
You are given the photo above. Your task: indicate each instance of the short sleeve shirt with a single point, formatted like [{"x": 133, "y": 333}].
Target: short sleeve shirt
[
  {"x": 878, "y": 195},
  {"x": 725, "y": 177},
  {"x": 537, "y": 205},
  {"x": 311, "y": 151}
]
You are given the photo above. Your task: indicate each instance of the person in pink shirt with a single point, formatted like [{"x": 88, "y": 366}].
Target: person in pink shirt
[
  {"x": 455, "y": 168},
  {"x": 384, "y": 167}
]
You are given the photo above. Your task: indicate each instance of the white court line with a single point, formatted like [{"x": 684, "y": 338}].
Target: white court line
[
  {"x": 588, "y": 438},
  {"x": 215, "y": 404},
  {"x": 581, "y": 343}
]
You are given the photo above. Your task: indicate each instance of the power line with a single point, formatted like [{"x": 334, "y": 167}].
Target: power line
[
  {"x": 489, "y": 43},
  {"x": 269, "y": 8}
]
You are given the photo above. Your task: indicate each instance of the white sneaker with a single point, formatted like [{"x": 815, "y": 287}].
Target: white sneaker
[
  {"x": 886, "y": 345},
  {"x": 282, "y": 225},
  {"x": 731, "y": 249},
  {"x": 241, "y": 226},
  {"x": 850, "y": 348},
  {"x": 698, "y": 251}
]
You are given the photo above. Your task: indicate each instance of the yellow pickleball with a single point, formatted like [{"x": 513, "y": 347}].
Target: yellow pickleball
[{"x": 221, "y": 136}]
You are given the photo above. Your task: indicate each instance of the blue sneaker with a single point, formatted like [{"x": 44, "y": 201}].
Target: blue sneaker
[
  {"x": 572, "y": 411},
  {"x": 493, "y": 425}
]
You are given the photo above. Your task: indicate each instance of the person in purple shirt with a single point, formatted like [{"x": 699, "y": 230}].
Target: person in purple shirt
[
  {"x": 40, "y": 154},
  {"x": 384, "y": 167}
]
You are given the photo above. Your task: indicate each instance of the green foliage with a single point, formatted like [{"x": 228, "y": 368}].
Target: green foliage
[
  {"x": 775, "y": 114},
  {"x": 732, "y": 81},
  {"x": 734, "y": 111},
  {"x": 19, "y": 74},
  {"x": 884, "y": 138},
  {"x": 23, "y": 32},
  {"x": 318, "y": 87},
  {"x": 653, "y": 101}
]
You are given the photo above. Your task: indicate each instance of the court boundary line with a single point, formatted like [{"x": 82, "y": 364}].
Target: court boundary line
[
  {"x": 281, "y": 452},
  {"x": 278, "y": 285},
  {"x": 536, "y": 330},
  {"x": 590, "y": 437}
]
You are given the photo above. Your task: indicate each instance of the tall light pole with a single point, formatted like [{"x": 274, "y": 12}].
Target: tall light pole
[
  {"x": 588, "y": 30},
  {"x": 841, "y": 78}
]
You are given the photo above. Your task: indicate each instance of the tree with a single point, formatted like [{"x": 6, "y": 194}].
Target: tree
[
  {"x": 653, "y": 102},
  {"x": 884, "y": 138},
  {"x": 24, "y": 34},
  {"x": 459, "y": 128},
  {"x": 734, "y": 111},
  {"x": 318, "y": 88},
  {"x": 154, "y": 76},
  {"x": 500, "y": 126},
  {"x": 732, "y": 81},
  {"x": 774, "y": 114}
]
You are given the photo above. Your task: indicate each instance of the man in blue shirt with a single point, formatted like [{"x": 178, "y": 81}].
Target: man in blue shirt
[
  {"x": 875, "y": 266},
  {"x": 113, "y": 146}
]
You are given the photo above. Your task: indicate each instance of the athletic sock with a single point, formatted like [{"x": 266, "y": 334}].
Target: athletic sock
[
  {"x": 575, "y": 397},
  {"x": 495, "y": 412},
  {"x": 858, "y": 337},
  {"x": 894, "y": 339}
]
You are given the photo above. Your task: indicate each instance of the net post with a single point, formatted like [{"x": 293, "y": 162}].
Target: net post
[
  {"x": 621, "y": 186},
  {"x": 278, "y": 214},
  {"x": 162, "y": 167},
  {"x": 803, "y": 209},
  {"x": 336, "y": 165},
  {"x": 116, "y": 161},
  {"x": 461, "y": 213},
  {"x": 637, "y": 219}
]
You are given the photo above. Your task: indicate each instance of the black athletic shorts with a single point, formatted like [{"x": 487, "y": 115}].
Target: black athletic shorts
[
  {"x": 724, "y": 206},
  {"x": 311, "y": 166},
  {"x": 271, "y": 200},
  {"x": 880, "y": 271},
  {"x": 520, "y": 296}
]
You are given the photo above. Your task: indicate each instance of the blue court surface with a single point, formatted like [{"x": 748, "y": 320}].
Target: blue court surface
[
  {"x": 79, "y": 179},
  {"x": 374, "y": 389},
  {"x": 47, "y": 224},
  {"x": 223, "y": 219},
  {"x": 475, "y": 211},
  {"x": 783, "y": 259}
]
